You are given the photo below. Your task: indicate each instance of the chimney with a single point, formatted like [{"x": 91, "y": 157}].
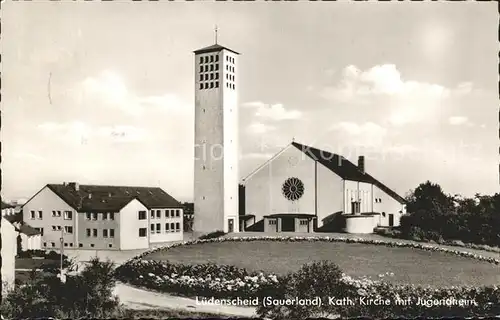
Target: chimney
[
  {"x": 361, "y": 163},
  {"x": 74, "y": 185}
]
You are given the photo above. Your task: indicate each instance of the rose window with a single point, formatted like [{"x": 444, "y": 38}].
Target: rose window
[{"x": 292, "y": 189}]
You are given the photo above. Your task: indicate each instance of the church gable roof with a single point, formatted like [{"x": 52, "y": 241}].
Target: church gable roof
[
  {"x": 344, "y": 168},
  {"x": 90, "y": 198}
]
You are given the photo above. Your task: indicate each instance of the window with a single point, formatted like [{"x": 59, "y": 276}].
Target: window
[
  {"x": 201, "y": 85},
  {"x": 40, "y": 215},
  {"x": 211, "y": 85},
  {"x": 216, "y": 58},
  {"x": 211, "y": 58},
  {"x": 87, "y": 215},
  {"x": 217, "y": 67},
  {"x": 303, "y": 222},
  {"x": 104, "y": 216},
  {"x": 53, "y": 244},
  {"x": 201, "y": 68},
  {"x": 95, "y": 233},
  {"x": 111, "y": 216},
  {"x": 201, "y": 59},
  {"x": 216, "y": 76},
  {"x": 65, "y": 244},
  {"x": 53, "y": 213},
  {"x": 32, "y": 214},
  {"x": 142, "y": 215},
  {"x": 355, "y": 206},
  {"x": 142, "y": 232},
  {"x": 71, "y": 244},
  {"x": 177, "y": 226},
  {"x": 211, "y": 76},
  {"x": 211, "y": 67},
  {"x": 68, "y": 215},
  {"x": 91, "y": 245},
  {"x": 80, "y": 245},
  {"x": 110, "y": 245},
  {"x": 201, "y": 77},
  {"x": 68, "y": 229},
  {"x": 111, "y": 233},
  {"x": 55, "y": 228},
  {"x": 158, "y": 214},
  {"x": 104, "y": 233},
  {"x": 45, "y": 244},
  {"x": 167, "y": 227},
  {"x": 172, "y": 227},
  {"x": 40, "y": 230},
  {"x": 217, "y": 84},
  {"x": 158, "y": 228},
  {"x": 88, "y": 232},
  {"x": 272, "y": 222},
  {"x": 94, "y": 216},
  {"x": 177, "y": 213},
  {"x": 152, "y": 228},
  {"x": 152, "y": 214}
]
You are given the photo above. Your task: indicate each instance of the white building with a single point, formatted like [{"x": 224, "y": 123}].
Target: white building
[
  {"x": 216, "y": 140},
  {"x": 103, "y": 217},
  {"x": 8, "y": 209},
  {"x": 9, "y": 251},
  {"x": 304, "y": 189}
]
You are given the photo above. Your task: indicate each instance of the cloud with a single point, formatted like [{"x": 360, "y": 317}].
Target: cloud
[
  {"x": 108, "y": 89},
  {"x": 77, "y": 131},
  {"x": 260, "y": 128},
  {"x": 383, "y": 88},
  {"x": 28, "y": 156},
  {"x": 274, "y": 112},
  {"x": 367, "y": 133},
  {"x": 459, "y": 120}
]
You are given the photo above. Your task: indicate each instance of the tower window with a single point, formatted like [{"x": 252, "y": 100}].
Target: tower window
[
  {"x": 216, "y": 58},
  {"x": 201, "y": 85},
  {"x": 217, "y": 67},
  {"x": 211, "y": 85},
  {"x": 217, "y": 76},
  {"x": 211, "y": 58},
  {"x": 217, "y": 84},
  {"x": 211, "y": 67},
  {"x": 201, "y": 77},
  {"x": 201, "y": 68},
  {"x": 211, "y": 76}
]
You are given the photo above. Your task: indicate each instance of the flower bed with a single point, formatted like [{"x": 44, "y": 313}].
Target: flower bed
[{"x": 221, "y": 281}]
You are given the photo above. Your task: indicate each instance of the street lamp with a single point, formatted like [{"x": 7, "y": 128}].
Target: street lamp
[{"x": 62, "y": 249}]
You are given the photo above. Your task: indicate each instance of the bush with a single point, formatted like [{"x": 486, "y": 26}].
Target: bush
[
  {"x": 88, "y": 295},
  {"x": 211, "y": 235},
  {"x": 313, "y": 282}
]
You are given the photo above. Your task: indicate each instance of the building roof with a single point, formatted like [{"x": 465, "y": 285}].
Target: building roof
[
  {"x": 213, "y": 48},
  {"x": 344, "y": 168},
  {"x": 291, "y": 215},
  {"x": 28, "y": 230},
  {"x": 7, "y": 206},
  {"x": 91, "y": 198}
]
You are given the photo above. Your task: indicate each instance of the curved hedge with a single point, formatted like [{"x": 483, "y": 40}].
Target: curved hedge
[{"x": 221, "y": 281}]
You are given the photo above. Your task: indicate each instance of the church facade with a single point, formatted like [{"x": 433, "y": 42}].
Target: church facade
[{"x": 304, "y": 189}]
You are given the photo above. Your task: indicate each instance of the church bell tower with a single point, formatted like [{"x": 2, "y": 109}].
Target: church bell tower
[{"x": 216, "y": 140}]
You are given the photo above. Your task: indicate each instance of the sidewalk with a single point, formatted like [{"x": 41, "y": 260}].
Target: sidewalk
[{"x": 135, "y": 298}]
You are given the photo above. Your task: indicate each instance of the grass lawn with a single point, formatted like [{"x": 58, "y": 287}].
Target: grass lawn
[{"x": 408, "y": 265}]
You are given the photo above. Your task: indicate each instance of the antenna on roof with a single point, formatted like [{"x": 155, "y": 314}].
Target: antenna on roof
[{"x": 216, "y": 34}]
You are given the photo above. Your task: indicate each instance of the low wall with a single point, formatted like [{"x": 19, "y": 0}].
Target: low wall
[{"x": 360, "y": 224}]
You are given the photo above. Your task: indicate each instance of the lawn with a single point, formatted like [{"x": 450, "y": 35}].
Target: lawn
[{"x": 408, "y": 265}]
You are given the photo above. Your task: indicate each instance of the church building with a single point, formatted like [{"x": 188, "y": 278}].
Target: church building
[{"x": 304, "y": 189}]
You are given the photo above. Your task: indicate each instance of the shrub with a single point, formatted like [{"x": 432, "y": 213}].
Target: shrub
[
  {"x": 211, "y": 235},
  {"x": 88, "y": 295}
]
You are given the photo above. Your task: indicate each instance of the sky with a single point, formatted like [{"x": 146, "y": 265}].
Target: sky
[{"x": 103, "y": 92}]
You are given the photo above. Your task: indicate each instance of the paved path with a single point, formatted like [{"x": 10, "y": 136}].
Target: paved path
[{"x": 135, "y": 298}]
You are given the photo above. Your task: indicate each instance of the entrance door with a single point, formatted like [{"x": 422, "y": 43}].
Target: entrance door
[
  {"x": 288, "y": 224},
  {"x": 230, "y": 225},
  {"x": 391, "y": 220}
]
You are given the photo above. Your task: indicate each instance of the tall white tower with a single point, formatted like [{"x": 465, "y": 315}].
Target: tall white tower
[{"x": 216, "y": 140}]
